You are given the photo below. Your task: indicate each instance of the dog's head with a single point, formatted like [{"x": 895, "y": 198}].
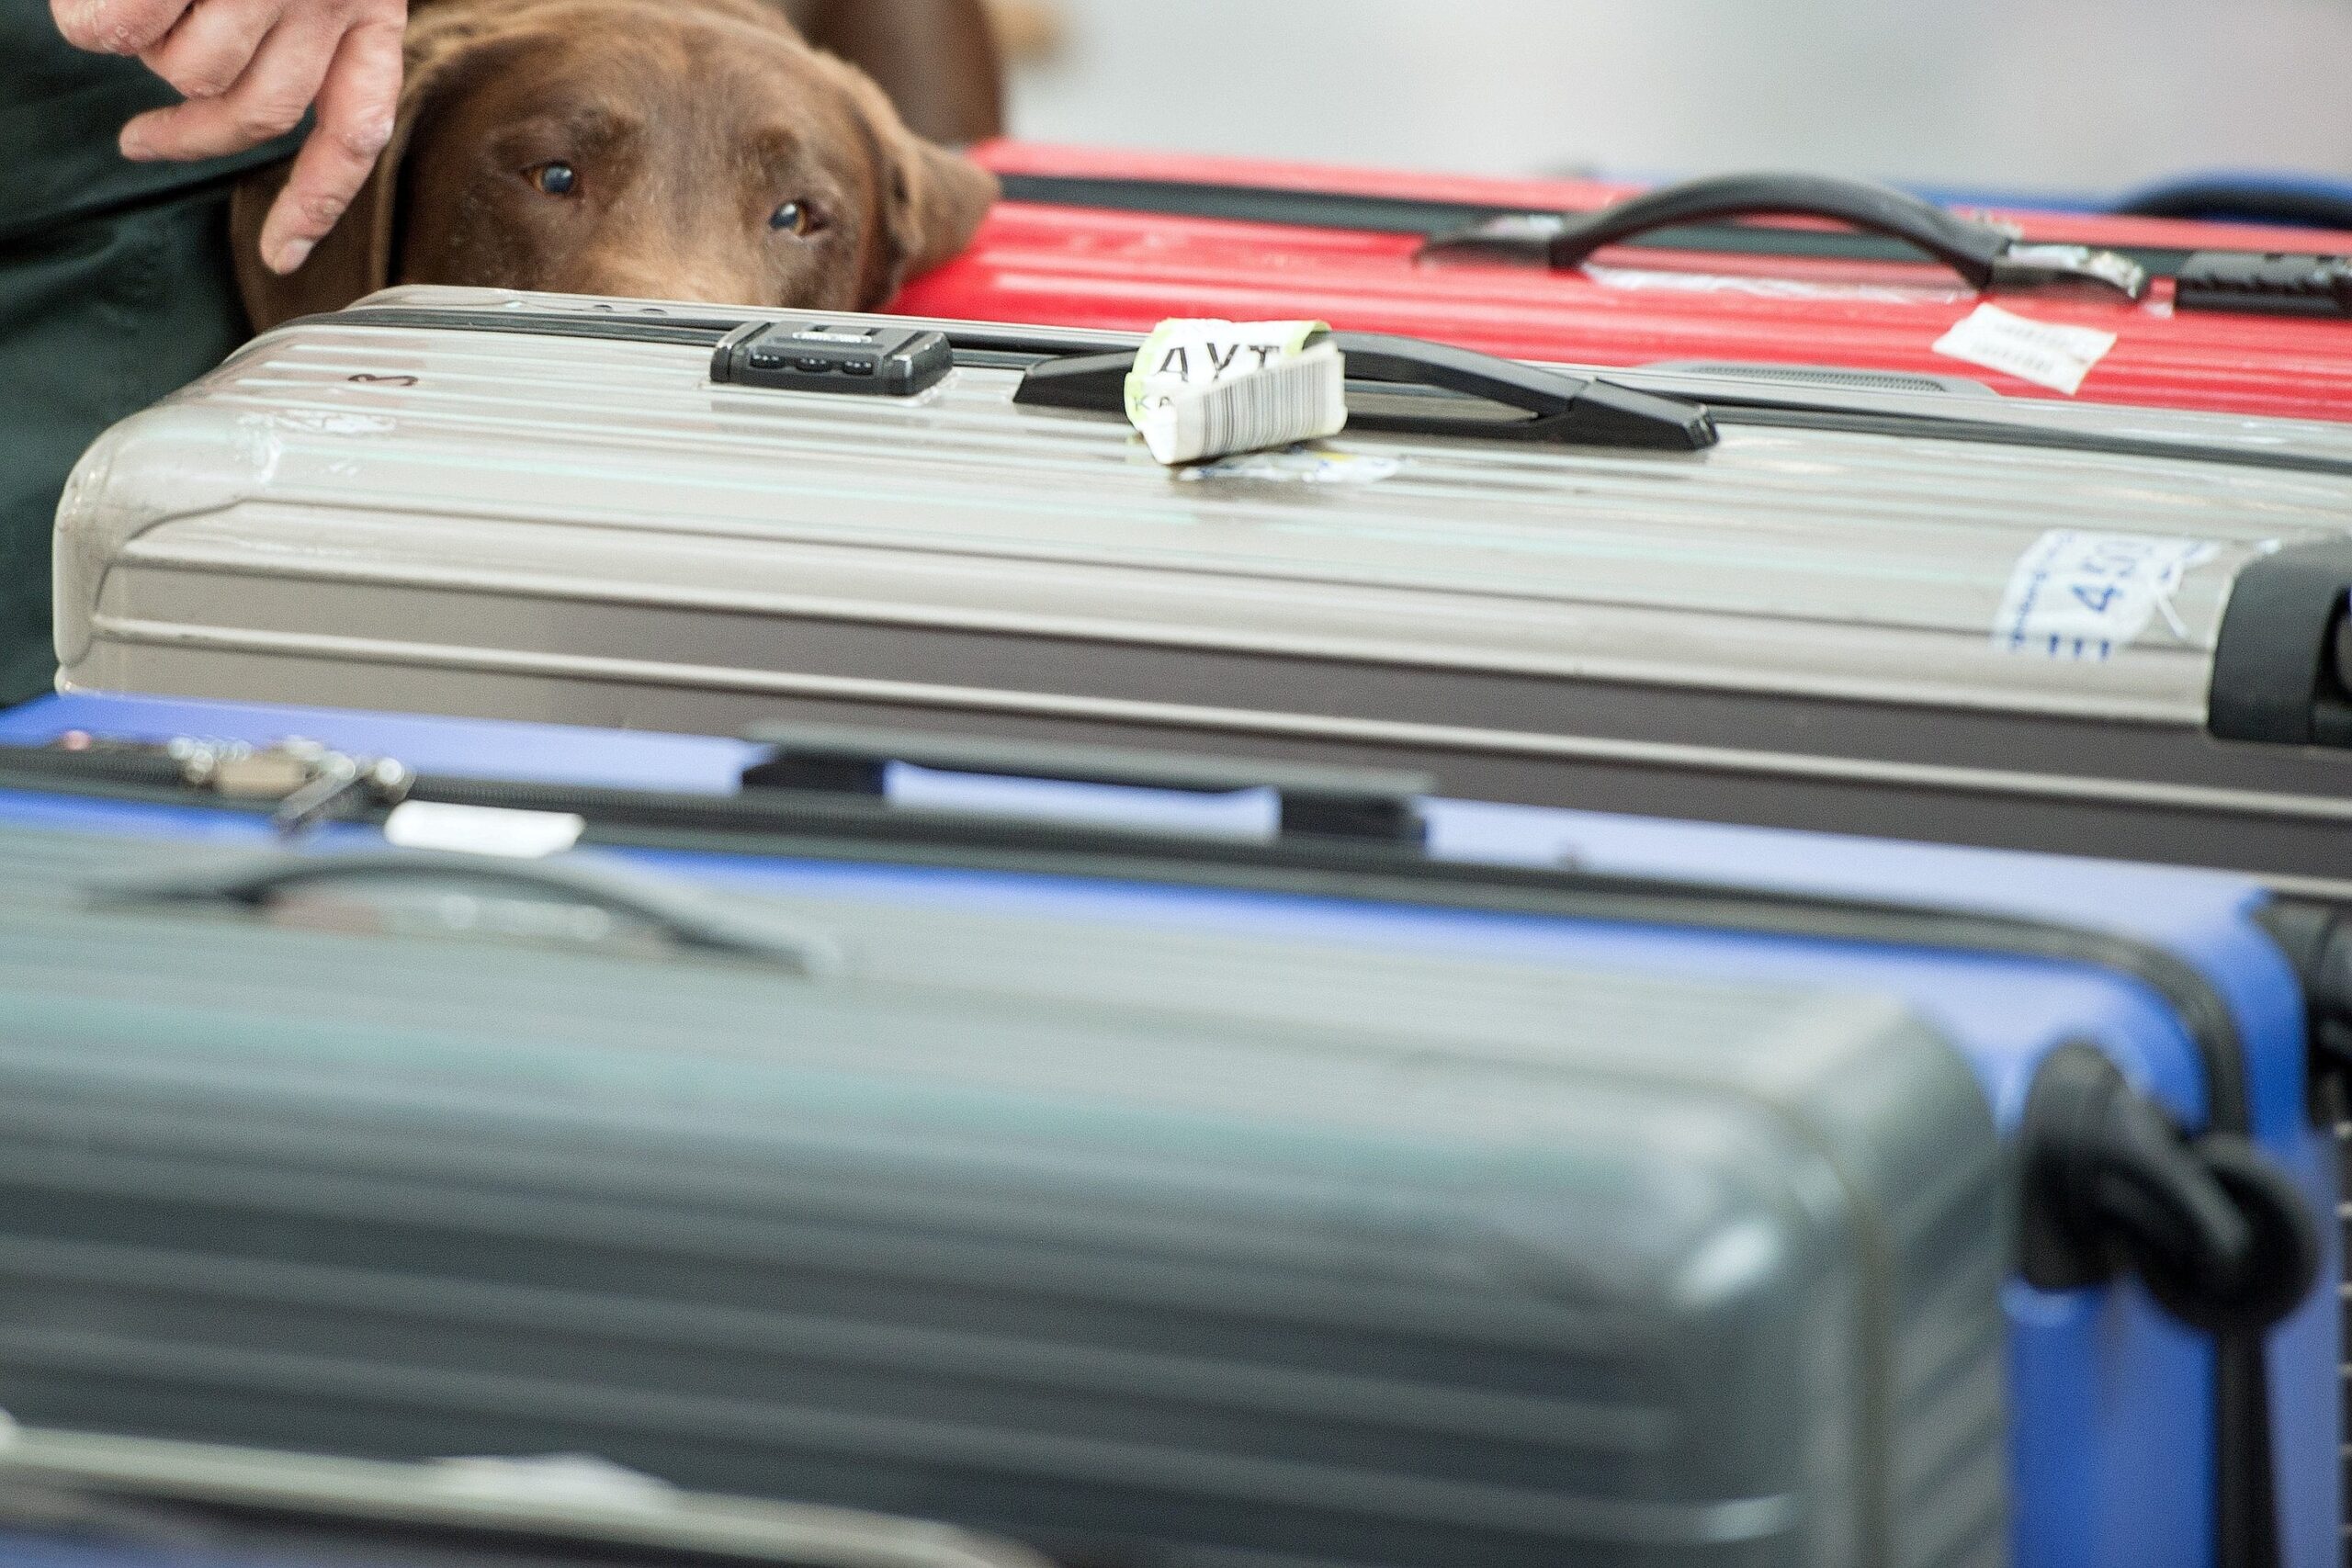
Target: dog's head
[{"x": 699, "y": 152}]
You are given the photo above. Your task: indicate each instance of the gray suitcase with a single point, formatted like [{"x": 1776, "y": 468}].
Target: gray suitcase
[
  {"x": 103, "y": 1500},
  {"x": 1142, "y": 1243},
  {"x": 1911, "y": 611}
]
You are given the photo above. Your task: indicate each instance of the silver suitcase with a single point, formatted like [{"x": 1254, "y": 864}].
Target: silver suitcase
[{"x": 1892, "y": 608}]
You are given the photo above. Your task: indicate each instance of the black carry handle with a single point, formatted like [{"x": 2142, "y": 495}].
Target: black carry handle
[
  {"x": 1985, "y": 256},
  {"x": 1574, "y": 410},
  {"x": 1315, "y": 802},
  {"x": 2217, "y": 1233},
  {"x": 686, "y": 919}
]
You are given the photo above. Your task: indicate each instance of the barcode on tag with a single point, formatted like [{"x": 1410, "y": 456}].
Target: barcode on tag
[
  {"x": 1289, "y": 400},
  {"x": 2040, "y": 352},
  {"x": 2083, "y": 596},
  {"x": 1210, "y": 388}
]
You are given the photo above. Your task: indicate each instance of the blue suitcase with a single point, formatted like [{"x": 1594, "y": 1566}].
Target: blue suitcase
[
  {"x": 2269, "y": 198},
  {"x": 2137, "y": 1439}
]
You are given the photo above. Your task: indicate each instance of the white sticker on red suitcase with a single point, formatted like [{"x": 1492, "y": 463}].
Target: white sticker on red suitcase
[
  {"x": 2043, "y": 353},
  {"x": 481, "y": 829},
  {"x": 2076, "y": 595}
]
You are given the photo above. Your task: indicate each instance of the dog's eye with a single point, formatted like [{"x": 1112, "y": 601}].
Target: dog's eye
[
  {"x": 795, "y": 218},
  {"x": 555, "y": 179}
]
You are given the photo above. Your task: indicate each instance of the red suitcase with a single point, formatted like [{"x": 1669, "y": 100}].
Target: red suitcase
[{"x": 2228, "y": 318}]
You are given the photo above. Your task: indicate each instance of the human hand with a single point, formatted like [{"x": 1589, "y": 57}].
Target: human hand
[{"x": 249, "y": 70}]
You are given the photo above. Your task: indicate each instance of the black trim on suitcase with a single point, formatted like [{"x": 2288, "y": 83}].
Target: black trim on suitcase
[
  {"x": 2283, "y": 284},
  {"x": 2278, "y": 663},
  {"x": 1022, "y": 348},
  {"x": 1310, "y": 802}
]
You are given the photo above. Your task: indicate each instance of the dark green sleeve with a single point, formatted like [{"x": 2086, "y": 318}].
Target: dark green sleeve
[
  {"x": 115, "y": 289},
  {"x": 59, "y": 111}
]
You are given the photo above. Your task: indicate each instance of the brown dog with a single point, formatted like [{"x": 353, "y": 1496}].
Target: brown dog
[{"x": 698, "y": 150}]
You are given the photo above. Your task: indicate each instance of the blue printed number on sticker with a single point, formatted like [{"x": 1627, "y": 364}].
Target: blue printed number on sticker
[{"x": 2085, "y": 596}]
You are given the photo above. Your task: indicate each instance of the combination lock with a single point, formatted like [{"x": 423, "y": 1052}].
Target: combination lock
[{"x": 873, "y": 358}]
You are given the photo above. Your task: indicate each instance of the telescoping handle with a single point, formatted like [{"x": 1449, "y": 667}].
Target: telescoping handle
[
  {"x": 1985, "y": 255},
  {"x": 1573, "y": 409},
  {"x": 1363, "y": 805}
]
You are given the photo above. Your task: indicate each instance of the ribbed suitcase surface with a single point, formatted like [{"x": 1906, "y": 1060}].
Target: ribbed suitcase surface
[
  {"x": 1111, "y": 238},
  {"x": 1263, "y": 1252},
  {"x": 2132, "y": 1439},
  {"x": 1815, "y": 622}
]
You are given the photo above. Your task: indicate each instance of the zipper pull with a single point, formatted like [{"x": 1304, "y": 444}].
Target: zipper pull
[{"x": 335, "y": 782}]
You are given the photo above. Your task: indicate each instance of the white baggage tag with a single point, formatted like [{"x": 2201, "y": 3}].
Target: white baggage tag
[
  {"x": 2043, "y": 353},
  {"x": 481, "y": 829},
  {"x": 2083, "y": 596},
  {"x": 1209, "y": 389}
]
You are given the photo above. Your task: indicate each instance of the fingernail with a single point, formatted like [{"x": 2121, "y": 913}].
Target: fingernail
[
  {"x": 104, "y": 40},
  {"x": 291, "y": 255},
  {"x": 134, "y": 146}
]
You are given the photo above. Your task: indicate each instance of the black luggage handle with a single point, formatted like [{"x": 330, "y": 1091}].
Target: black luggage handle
[
  {"x": 2214, "y": 1230},
  {"x": 2217, "y": 1233},
  {"x": 1985, "y": 255},
  {"x": 1363, "y": 805},
  {"x": 1576, "y": 409},
  {"x": 688, "y": 920}
]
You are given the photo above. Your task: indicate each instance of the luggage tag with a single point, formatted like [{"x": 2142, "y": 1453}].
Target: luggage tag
[
  {"x": 1210, "y": 388},
  {"x": 2043, "y": 353},
  {"x": 2085, "y": 596}
]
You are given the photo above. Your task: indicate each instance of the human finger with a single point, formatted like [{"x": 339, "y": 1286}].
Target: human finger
[
  {"x": 115, "y": 27},
  {"x": 357, "y": 109}
]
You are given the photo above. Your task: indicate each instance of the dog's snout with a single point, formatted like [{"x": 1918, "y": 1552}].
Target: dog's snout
[{"x": 695, "y": 279}]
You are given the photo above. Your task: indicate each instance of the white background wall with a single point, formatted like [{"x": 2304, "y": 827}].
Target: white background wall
[{"x": 2044, "y": 94}]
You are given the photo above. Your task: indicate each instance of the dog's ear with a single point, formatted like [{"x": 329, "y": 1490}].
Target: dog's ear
[
  {"x": 931, "y": 200},
  {"x": 444, "y": 43},
  {"x": 937, "y": 200}
]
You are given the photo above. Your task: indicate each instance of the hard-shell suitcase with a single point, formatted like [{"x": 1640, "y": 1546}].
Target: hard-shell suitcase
[
  {"x": 2130, "y": 1442},
  {"x": 104, "y": 1500},
  {"x": 2013, "y": 622},
  {"x": 1159, "y": 1247},
  {"x": 2230, "y": 319}
]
